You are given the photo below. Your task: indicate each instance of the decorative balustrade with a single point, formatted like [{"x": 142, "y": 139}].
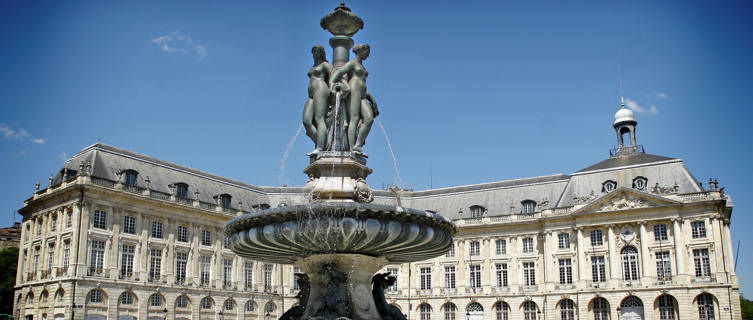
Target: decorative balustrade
[
  {"x": 159, "y": 195},
  {"x": 103, "y": 182},
  {"x": 562, "y": 210},
  {"x": 696, "y": 196},
  {"x": 133, "y": 188}
]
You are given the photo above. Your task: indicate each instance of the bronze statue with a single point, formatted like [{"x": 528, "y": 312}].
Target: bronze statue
[
  {"x": 315, "y": 109},
  {"x": 361, "y": 106},
  {"x": 380, "y": 282}
]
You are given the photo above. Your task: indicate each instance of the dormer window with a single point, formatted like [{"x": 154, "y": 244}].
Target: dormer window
[
  {"x": 477, "y": 211},
  {"x": 529, "y": 206},
  {"x": 130, "y": 177},
  {"x": 225, "y": 200},
  {"x": 640, "y": 183},
  {"x": 181, "y": 190},
  {"x": 608, "y": 186}
]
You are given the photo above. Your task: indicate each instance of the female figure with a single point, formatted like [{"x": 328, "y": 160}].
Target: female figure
[
  {"x": 315, "y": 109},
  {"x": 361, "y": 105}
]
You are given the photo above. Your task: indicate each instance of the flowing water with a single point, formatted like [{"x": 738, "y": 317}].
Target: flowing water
[
  {"x": 285, "y": 155},
  {"x": 398, "y": 180}
]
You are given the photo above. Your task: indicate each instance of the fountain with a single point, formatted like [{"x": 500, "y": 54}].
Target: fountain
[{"x": 340, "y": 239}]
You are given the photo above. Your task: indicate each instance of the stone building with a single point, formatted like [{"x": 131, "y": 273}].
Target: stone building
[
  {"x": 10, "y": 237},
  {"x": 120, "y": 235}
]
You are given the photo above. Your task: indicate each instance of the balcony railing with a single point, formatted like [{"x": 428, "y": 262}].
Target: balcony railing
[{"x": 625, "y": 151}]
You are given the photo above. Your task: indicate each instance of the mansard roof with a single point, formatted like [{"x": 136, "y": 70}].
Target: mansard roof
[{"x": 499, "y": 198}]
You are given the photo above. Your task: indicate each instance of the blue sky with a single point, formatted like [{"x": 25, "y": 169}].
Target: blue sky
[{"x": 468, "y": 93}]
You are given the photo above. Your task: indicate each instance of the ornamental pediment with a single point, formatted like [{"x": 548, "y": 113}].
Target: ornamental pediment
[{"x": 625, "y": 199}]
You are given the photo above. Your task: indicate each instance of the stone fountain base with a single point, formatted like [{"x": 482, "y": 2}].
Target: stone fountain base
[
  {"x": 341, "y": 286},
  {"x": 338, "y": 176}
]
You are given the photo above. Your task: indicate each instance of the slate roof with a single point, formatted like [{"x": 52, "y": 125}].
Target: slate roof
[{"x": 623, "y": 161}]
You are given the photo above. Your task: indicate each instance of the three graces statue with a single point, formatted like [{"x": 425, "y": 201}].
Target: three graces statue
[{"x": 339, "y": 111}]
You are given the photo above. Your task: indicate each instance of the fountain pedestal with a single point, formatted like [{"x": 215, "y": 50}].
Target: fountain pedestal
[
  {"x": 341, "y": 286},
  {"x": 338, "y": 176}
]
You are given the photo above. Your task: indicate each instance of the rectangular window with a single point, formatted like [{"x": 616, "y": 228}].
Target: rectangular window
[
  {"x": 501, "y": 246},
  {"x": 50, "y": 258},
  {"x": 97, "y": 257},
  {"x": 248, "y": 274},
  {"x": 502, "y": 275},
  {"x": 527, "y": 245},
  {"x": 129, "y": 225},
  {"x": 157, "y": 229},
  {"x": 474, "y": 249},
  {"x": 393, "y": 272},
  {"x": 126, "y": 261},
  {"x": 597, "y": 238},
  {"x": 425, "y": 278},
  {"x": 598, "y": 269},
  {"x": 227, "y": 272},
  {"x": 475, "y": 276},
  {"x": 69, "y": 220},
  {"x": 100, "y": 219},
  {"x": 450, "y": 253},
  {"x": 663, "y": 266},
  {"x": 182, "y": 234},
  {"x": 449, "y": 277},
  {"x": 698, "y": 229},
  {"x": 295, "y": 279},
  {"x": 564, "y": 240},
  {"x": 155, "y": 264},
  {"x": 702, "y": 263},
  {"x": 205, "y": 264},
  {"x": 206, "y": 238},
  {"x": 53, "y": 223},
  {"x": 529, "y": 273},
  {"x": 66, "y": 254},
  {"x": 226, "y": 242},
  {"x": 181, "y": 260},
  {"x": 36, "y": 261},
  {"x": 39, "y": 227},
  {"x": 660, "y": 232},
  {"x": 566, "y": 271},
  {"x": 268, "y": 277}
]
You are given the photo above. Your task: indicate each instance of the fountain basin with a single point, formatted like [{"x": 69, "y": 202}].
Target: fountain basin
[{"x": 288, "y": 234}]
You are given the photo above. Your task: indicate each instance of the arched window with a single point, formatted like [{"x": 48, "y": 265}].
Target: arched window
[
  {"x": 502, "y": 310},
  {"x": 30, "y": 298},
  {"x": 600, "y": 308},
  {"x": 127, "y": 298},
  {"x": 270, "y": 307},
  {"x": 424, "y": 311},
  {"x": 181, "y": 302},
  {"x": 666, "y": 305},
  {"x": 529, "y": 206},
  {"x": 477, "y": 211},
  {"x": 608, "y": 186},
  {"x": 705, "y": 306},
  {"x": 155, "y": 300},
  {"x": 206, "y": 303},
  {"x": 629, "y": 263},
  {"x": 474, "y": 311},
  {"x": 44, "y": 297},
  {"x": 229, "y": 305},
  {"x": 529, "y": 310},
  {"x": 450, "y": 311},
  {"x": 59, "y": 295},
  {"x": 96, "y": 296},
  {"x": 567, "y": 309},
  {"x": 631, "y": 308},
  {"x": 250, "y": 306}
]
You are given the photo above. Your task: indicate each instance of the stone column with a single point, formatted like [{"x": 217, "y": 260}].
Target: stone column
[
  {"x": 547, "y": 261},
  {"x": 679, "y": 246},
  {"x": 80, "y": 246},
  {"x": 644, "y": 249},
  {"x": 728, "y": 242},
  {"x": 613, "y": 260}
]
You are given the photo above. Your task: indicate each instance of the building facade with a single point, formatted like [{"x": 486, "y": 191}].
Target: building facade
[
  {"x": 119, "y": 235},
  {"x": 10, "y": 237}
]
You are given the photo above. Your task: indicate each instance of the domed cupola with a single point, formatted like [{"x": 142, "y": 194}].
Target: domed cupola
[{"x": 624, "y": 125}]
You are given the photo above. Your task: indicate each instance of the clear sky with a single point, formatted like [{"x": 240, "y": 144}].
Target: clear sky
[{"x": 468, "y": 93}]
